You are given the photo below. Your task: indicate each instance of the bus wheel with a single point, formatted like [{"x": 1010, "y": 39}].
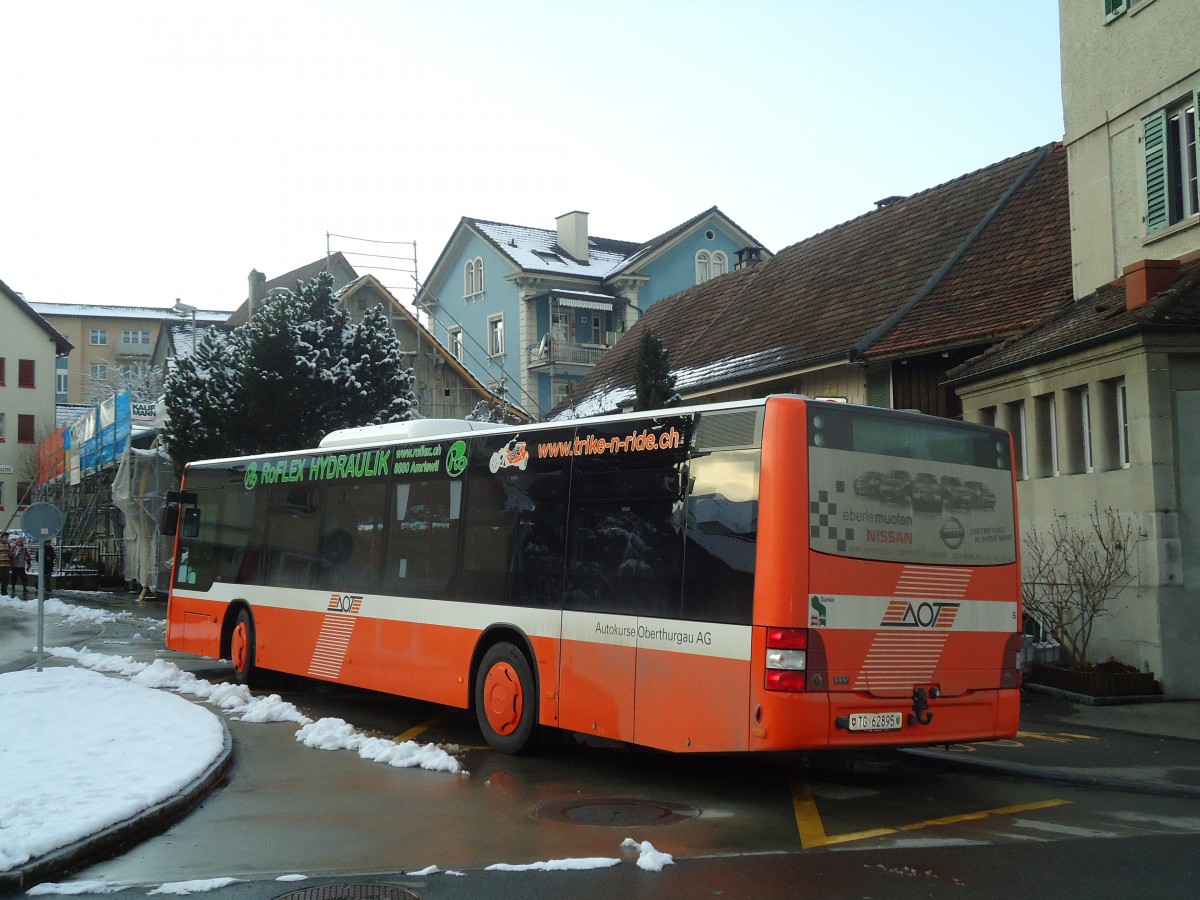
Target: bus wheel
[
  {"x": 241, "y": 648},
  {"x": 505, "y": 703}
]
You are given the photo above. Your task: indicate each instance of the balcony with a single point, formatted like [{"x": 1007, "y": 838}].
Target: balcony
[
  {"x": 552, "y": 352},
  {"x": 133, "y": 348}
]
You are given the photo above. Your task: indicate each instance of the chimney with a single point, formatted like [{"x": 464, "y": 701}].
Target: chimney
[
  {"x": 747, "y": 257},
  {"x": 258, "y": 293},
  {"x": 1145, "y": 279},
  {"x": 573, "y": 235}
]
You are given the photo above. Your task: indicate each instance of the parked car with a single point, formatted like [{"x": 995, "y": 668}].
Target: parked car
[
  {"x": 867, "y": 484},
  {"x": 895, "y": 486},
  {"x": 926, "y": 493},
  {"x": 955, "y": 493},
  {"x": 981, "y": 495}
]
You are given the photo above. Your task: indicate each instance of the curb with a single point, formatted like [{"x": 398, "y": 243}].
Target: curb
[
  {"x": 1021, "y": 770},
  {"x": 1089, "y": 700},
  {"x": 122, "y": 834}
]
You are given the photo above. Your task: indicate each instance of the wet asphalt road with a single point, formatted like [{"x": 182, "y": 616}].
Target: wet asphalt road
[{"x": 877, "y": 825}]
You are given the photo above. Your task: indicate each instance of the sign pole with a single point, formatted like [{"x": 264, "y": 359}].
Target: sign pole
[{"x": 44, "y": 522}]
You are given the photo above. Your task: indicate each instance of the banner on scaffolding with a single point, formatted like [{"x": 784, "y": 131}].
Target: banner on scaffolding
[{"x": 99, "y": 437}]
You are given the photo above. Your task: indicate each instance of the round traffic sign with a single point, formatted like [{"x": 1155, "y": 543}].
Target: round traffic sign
[{"x": 42, "y": 520}]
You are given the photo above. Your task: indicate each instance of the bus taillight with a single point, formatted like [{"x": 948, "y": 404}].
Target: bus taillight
[{"x": 787, "y": 659}]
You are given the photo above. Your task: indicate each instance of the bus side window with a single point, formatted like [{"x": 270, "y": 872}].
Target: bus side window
[
  {"x": 191, "y": 522},
  {"x": 419, "y": 560},
  {"x": 722, "y": 532}
]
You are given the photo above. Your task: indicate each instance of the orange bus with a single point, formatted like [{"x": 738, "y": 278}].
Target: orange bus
[{"x": 773, "y": 574}]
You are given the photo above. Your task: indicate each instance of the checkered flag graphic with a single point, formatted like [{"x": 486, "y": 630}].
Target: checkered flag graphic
[{"x": 822, "y": 518}]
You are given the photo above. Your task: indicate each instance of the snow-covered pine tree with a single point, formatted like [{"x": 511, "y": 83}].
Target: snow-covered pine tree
[
  {"x": 296, "y": 371},
  {"x": 371, "y": 379},
  {"x": 202, "y": 396},
  {"x": 291, "y": 346},
  {"x": 653, "y": 382}
]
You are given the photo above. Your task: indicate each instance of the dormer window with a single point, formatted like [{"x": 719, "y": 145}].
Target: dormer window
[
  {"x": 710, "y": 264},
  {"x": 473, "y": 277}
]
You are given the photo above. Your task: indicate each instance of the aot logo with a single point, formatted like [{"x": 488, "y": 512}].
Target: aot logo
[
  {"x": 926, "y": 614},
  {"x": 347, "y": 603}
]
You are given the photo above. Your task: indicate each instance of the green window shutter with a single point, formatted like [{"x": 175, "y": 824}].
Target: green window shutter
[
  {"x": 1154, "y": 138},
  {"x": 879, "y": 387},
  {"x": 1196, "y": 117},
  {"x": 1114, "y": 8}
]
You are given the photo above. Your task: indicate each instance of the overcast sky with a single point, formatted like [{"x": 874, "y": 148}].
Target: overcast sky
[{"x": 155, "y": 150}]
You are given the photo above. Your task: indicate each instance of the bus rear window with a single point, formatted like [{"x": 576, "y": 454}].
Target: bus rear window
[{"x": 907, "y": 488}]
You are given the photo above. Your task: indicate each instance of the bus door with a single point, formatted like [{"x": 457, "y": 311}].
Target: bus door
[{"x": 624, "y": 564}]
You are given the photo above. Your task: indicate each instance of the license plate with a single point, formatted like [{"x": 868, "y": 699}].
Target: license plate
[{"x": 886, "y": 721}]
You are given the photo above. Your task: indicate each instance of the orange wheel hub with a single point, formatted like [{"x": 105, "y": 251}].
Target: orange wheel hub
[{"x": 502, "y": 698}]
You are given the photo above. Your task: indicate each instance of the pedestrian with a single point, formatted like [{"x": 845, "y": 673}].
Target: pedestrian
[
  {"x": 5, "y": 564},
  {"x": 48, "y": 557},
  {"x": 20, "y": 559}
]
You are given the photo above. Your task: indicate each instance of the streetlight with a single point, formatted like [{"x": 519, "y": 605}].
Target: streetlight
[{"x": 184, "y": 309}]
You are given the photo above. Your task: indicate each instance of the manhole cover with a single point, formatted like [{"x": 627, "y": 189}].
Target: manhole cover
[
  {"x": 352, "y": 892},
  {"x": 616, "y": 812}
]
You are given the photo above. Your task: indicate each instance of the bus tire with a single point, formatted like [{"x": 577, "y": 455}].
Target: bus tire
[
  {"x": 505, "y": 698},
  {"x": 241, "y": 648}
]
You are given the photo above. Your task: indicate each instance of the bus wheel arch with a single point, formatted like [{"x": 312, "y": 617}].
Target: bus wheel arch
[
  {"x": 504, "y": 690},
  {"x": 238, "y": 641}
]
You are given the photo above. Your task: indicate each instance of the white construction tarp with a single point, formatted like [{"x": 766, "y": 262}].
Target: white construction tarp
[{"x": 141, "y": 482}]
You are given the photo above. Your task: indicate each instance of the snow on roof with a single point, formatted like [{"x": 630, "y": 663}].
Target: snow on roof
[
  {"x": 536, "y": 249},
  {"x": 124, "y": 312}
]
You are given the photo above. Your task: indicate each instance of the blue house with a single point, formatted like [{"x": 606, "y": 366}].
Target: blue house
[{"x": 529, "y": 311}]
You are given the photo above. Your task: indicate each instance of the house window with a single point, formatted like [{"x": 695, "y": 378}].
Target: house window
[
  {"x": 710, "y": 265},
  {"x": 61, "y": 381},
  {"x": 1046, "y": 436},
  {"x": 560, "y": 390},
  {"x": 98, "y": 371},
  {"x": 1085, "y": 423},
  {"x": 1169, "y": 137},
  {"x": 1122, "y": 425},
  {"x": 1114, "y": 8},
  {"x": 1017, "y": 428},
  {"x": 25, "y": 372},
  {"x": 1, "y": 427},
  {"x": 496, "y": 336},
  {"x": 1, "y": 371},
  {"x": 135, "y": 337},
  {"x": 24, "y": 493},
  {"x": 1, "y": 495},
  {"x": 473, "y": 277},
  {"x": 99, "y": 336},
  {"x": 25, "y": 429},
  {"x": 456, "y": 344}
]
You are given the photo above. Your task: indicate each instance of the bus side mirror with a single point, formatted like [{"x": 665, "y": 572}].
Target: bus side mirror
[
  {"x": 191, "y": 522},
  {"x": 168, "y": 520}
]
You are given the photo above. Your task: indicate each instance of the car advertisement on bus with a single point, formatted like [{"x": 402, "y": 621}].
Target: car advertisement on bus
[{"x": 871, "y": 506}]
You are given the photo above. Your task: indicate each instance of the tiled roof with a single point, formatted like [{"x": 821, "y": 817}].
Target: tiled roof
[
  {"x": 818, "y": 301},
  {"x": 157, "y": 313},
  {"x": 1015, "y": 273},
  {"x": 537, "y": 250},
  {"x": 1100, "y": 316}
]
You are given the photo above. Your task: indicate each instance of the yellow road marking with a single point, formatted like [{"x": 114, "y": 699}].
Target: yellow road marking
[
  {"x": 1039, "y": 736},
  {"x": 1079, "y": 737},
  {"x": 424, "y": 726},
  {"x": 812, "y": 829}
]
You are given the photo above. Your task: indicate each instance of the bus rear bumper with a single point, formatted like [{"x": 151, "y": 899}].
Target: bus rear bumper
[{"x": 816, "y": 720}]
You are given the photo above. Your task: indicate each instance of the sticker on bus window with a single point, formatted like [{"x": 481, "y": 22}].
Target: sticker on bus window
[{"x": 899, "y": 509}]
